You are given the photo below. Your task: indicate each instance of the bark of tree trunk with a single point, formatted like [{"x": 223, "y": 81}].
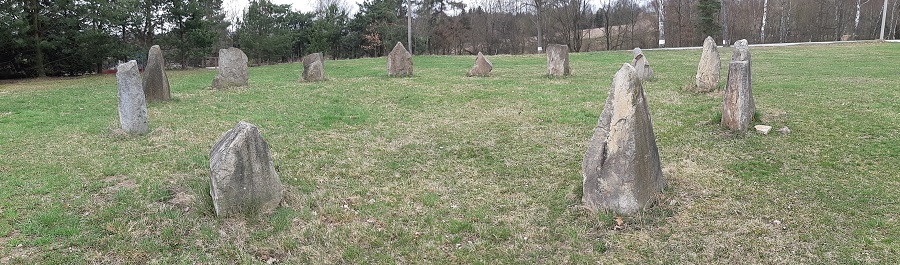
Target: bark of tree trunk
[
  {"x": 36, "y": 27},
  {"x": 762, "y": 29},
  {"x": 661, "y": 12},
  {"x": 859, "y": 4},
  {"x": 894, "y": 20},
  {"x": 726, "y": 39},
  {"x": 540, "y": 33}
]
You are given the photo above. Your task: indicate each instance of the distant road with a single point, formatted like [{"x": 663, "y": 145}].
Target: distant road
[{"x": 778, "y": 44}]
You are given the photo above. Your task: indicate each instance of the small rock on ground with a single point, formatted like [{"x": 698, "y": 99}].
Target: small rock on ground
[{"x": 763, "y": 129}]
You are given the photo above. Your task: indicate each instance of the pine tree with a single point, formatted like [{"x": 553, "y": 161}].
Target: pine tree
[{"x": 709, "y": 23}]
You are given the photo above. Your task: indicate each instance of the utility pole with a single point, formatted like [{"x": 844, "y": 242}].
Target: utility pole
[
  {"x": 409, "y": 26},
  {"x": 883, "y": 17}
]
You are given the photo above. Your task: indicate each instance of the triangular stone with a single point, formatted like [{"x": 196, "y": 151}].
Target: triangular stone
[
  {"x": 482, "y": 66},
  {"x": 621, "y": 168},
  {"x": 707, "y": 78},
  {"x": 399, "y": 61},
  {"x": 241, "y": 173},
  {"x": 156, "y": 82}
]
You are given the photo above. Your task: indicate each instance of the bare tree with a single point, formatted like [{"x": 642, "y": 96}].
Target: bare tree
[
  {"x": 538, "y": 6},
  {"x": 661, "y": 15},
  {"x": 894, "y": 19},
  {"x": 726, "y": 39},
  {"x": 322, "y": 5},
  {"x": 784, "y": 25},
  {"x": 859, "y": 4},
  {"x": 762, "y": 29}
]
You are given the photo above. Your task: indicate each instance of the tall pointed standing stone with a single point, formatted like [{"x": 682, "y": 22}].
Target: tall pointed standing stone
[
  {"x": 241, "y": 173},
  {"x": 132, "y": 103},
  {"x": 707, "y": 78},
  {"x": 482, "y": 66},
  {"x": 313, "y": 67},
  {"x": 558, "y": 60},
  {"x": 738, "y": 106},
  {"x": 156, "y": 83},
  {"x": 621, "y": 167},
  {"x": 232, "y": 69},
  {"x": 641, "y": 65},
  {"x": 399, "y": 61}
]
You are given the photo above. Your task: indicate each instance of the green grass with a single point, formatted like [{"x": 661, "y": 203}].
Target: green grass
[{"x": 443, "y": 168}]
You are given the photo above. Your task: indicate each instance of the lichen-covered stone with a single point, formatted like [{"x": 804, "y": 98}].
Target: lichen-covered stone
[
  {"x": 621, "y": 168},
  {"x": 641, "y": 65},
  {"x": 399, "y": 61},
  {"x": 558, "y": 60},
  {"x": 738, "y": 106},
  {"x": 707, "y": 78},
  {"x": 156, "y": 82},
  {"x": 233, "y": 70},
  {"x": 241, "y": 173},
  {"x": 132, "y": 103},
  {"x": 313, "y": 67},
  {"x": 482, "y": 66}
]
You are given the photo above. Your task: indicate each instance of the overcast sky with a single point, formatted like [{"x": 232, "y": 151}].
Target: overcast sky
[{"x": 234, "y": 8}]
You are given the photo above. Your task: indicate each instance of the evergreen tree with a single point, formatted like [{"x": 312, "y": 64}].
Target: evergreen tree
[
  {"x": 709, "y": 22},
  {"x": 265, "y": 32},
  {"x": 382, "y": 24},
  {"x": 199, "y": 25}
]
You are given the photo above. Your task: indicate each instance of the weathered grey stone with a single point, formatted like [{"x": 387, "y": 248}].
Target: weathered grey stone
[
  {"x": 241, "y": 173},
  {"x": 707, "y": 78},
  {"x": 558, "y": 60},
  {"x": 156, "y": 83},
  {"x": 482, "y": 66},
  {"x": 399, "y": 61},
  {"x": 621, "y": 167},
  {"x": 741, "y": 51},
  {"x": 641, "y": 65},
  {"x": 313, "y": 67},
  {"x": 738, "y": 106},
  {"x": 784, "y": 130},
  {"x": 132, "y": 103},
  {"x": 232, "y": 69}
]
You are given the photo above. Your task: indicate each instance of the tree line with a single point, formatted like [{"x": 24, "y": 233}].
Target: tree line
[{"x": 74, "y": 37}]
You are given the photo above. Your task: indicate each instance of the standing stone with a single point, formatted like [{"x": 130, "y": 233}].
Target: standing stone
[
  {"x": 156, "y": 83},
  {"x": 132, "y": 103},
  {"x": 482, "y": 66},
  {"x": 232, "y": 69},
  {"x": 313, "y": 67},
  {"x": 738, "y": 106},
  {"x": 399, "y": 61},
  {"x": 707, "y": 78},
  {"x": 621, "y": 167},
  {"x": 241, "y": 173},
  {"x": 558, "y": 60},
  {"x": 641, "y": 65}
]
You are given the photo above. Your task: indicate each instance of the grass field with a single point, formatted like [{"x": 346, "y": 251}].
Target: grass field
[{"x": 442, "y": 168}]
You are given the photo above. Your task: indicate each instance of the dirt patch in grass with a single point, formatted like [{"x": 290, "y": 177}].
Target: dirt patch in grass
[
  {"x": 119, "y": 182},
  {"x": 181, "y": 198}
]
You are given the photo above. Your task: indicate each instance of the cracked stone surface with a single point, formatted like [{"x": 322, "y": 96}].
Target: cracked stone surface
[{"x": 621, "y": 169}]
